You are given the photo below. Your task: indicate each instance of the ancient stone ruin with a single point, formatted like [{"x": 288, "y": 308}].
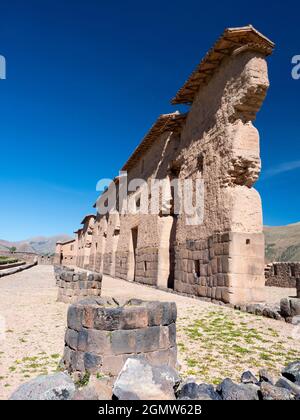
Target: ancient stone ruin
[
  {"x": 102, "y": 333},
  {"x": 221, "y": 257},
  {"x": 75, "y": 285},
  {"x": 282, "y": 274}
]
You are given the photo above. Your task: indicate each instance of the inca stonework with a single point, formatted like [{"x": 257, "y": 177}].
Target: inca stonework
[
  {"x": 102, "y": 333},
  {"x": 75, "y": 285},
  {"x": 215, "y": 141},
  {"x": 282, "y": 274}
]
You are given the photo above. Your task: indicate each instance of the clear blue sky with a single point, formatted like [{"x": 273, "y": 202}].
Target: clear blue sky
[{"x": 86, "y": 80}]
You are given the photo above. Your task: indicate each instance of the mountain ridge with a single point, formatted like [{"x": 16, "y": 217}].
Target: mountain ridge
[{"x": 39, "y": 244}]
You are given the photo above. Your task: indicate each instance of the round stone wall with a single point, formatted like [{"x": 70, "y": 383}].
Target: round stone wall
[
  {"x": 103, "y": 332},
  {"x": 74, "y": 286}
]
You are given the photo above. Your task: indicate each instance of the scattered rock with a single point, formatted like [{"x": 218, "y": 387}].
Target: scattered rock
[
  {"x": 194, "y": 391},
  {"x": 271, "y": 392},
  {"x": 291, "y": 386},
  {"x": 231, "y": 391},
  {"x": 53, "y": 387},
  {"x": 139, "y": 380},
  {"x": 292, "y": 371},
  {"x": 248, "y": 378},
  {"x": 285, "y": 308},
  {"x": 98, "y": 388},
  {"x": 295, "y": 320},
  {"x": 272, "y": 312},
  {"x": 266, "y": 376},
  {"x": 85, "y": 394},
  {"x": 290, "y": 307}
]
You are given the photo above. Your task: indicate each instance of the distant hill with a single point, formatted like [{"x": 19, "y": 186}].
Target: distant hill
[
  {"x": 282, "y": 243},
  {"x": 40, "y": 245}
]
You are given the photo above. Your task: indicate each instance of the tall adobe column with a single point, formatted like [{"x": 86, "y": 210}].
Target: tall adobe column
[{"x": 225, "y": 93}]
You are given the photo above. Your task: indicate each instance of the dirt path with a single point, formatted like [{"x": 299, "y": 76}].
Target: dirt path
[{"x": 213, "y": 341}]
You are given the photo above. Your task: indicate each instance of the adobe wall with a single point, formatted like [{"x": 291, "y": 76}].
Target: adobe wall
[
  {"x": 221, "y": 257},
  {"x": 282, "y": 274},
  {"x": 46, "y": 260},
  {"x": 229, "y": 245},
  {"x": 84, "y": 240},
  {"x": 219, "y": 127},
  {"x": 155, "y": 164},
  {"x": 66, "y": 253}
]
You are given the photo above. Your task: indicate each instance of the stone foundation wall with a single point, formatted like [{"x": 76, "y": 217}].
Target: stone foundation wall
[
  {"x": 147, "y": 266},
  {"x": 92, "y": 262},
  {"x": 107, "y": 263},
  {"x": 282, "y": 274},
  {"x": 73, "y": 286},
  {"x": 122, "y": 264},
  {"x": 102, "y": 333},
  {"x": 98, "y": 260},
  {"x": 202, "y": 267}
]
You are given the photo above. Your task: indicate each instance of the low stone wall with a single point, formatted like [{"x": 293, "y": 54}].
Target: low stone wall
[
  {"x": 282, "y": 274},
  {"x": 12, "y": 265},
  {"x": 103, "y": 333},
  {"x": 74, "y": 285},
  {"x": 46, "y": 260},
  {"x": 15, "y": 270},
  {"x": 28, "y": 257}
]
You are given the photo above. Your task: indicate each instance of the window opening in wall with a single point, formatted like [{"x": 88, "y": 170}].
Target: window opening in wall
[
  {"x": 138, "y": 203},
  {"x": 145, "y": 266},
  {"x": 200, "y": 163},
  {"x": 292, "y": 271},
  {"x": 275, "y": 270},
  {"x": 248, "y": 241},
  {"x": 174, "y": 169},
  {"x": 197, "y": 267}
]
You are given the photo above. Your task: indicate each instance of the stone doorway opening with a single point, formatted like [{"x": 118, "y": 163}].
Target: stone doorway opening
[{"x": 132, "y": 254}]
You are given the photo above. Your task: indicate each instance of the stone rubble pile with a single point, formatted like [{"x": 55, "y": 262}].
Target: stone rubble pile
[{"x": 141, "y": 380}]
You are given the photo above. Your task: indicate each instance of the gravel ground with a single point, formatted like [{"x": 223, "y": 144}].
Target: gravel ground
[{"x": 213, "y": 341}]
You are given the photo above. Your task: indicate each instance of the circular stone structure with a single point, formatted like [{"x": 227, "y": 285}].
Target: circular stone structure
[
  {"x": 103, "y": 332},
  {"x": 74, "y": 286}
]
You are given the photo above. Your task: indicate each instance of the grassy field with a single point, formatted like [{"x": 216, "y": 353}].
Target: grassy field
[
  {"x": 7, "y": 260},
  {"x": 224, "y": 343}
]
